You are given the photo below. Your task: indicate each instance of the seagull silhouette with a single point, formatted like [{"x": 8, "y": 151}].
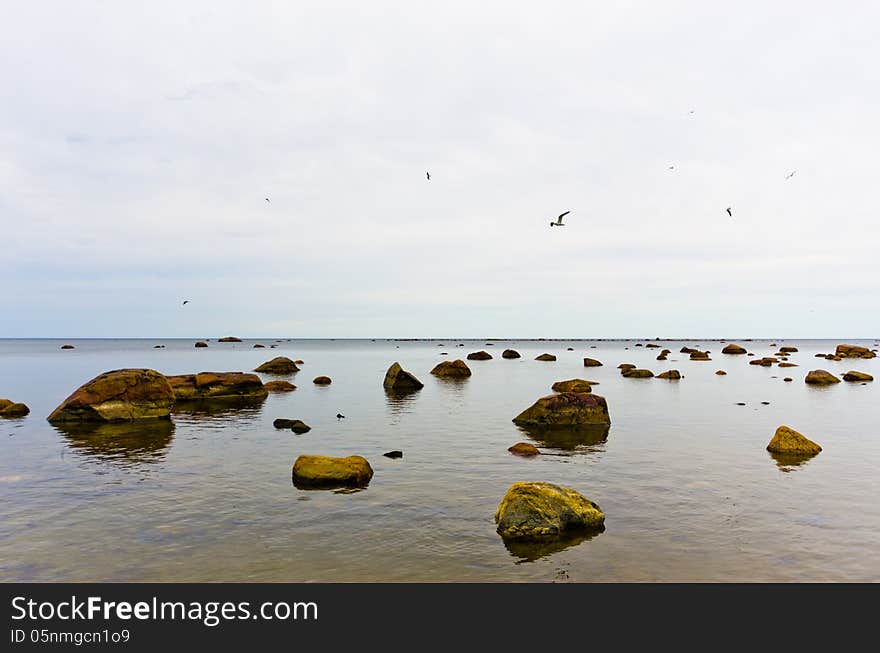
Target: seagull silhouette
[
  {"x": 428, "y": 175},
  {"x": 672, "y": 167},
  {"x": 558, "y": 222},
  {"x": 729, "y": 212},
  {"x": 185, "y": 302},
  {"x": 340, "y": 416},
  {"x": 267, "y": 199},
  {"x": 790, "y": 174}
]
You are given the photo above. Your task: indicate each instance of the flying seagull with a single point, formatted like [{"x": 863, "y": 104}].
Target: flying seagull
[
  {"x": 267, "y": 199},
  {"x": 790, "y": 174},
  {"x": 185, "y": 302},
  {"x": 672, "y": 167},
  {"x": 558, "y": 222},
  {"x": 729, "y": 212},
  {"x": 428, "y": 175},
  {"x": 340, "y": 416}
]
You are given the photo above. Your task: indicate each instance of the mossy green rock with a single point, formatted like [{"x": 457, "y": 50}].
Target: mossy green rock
[
  {"x": 217, "y": 385},
  {"x": 538, "y": 510},
  {"x": 820, "y": 377},
  {"x": 565, "y": 409},
  {"x": 278, "y": 365},
  {"x": 118, "y": 396},
  {"x": 328, "y": 472},
  {"x": 12, "y": 409},
  {"x": 572, "y": 385},
  {"x": 396, "y": 378},
  {"x": 788, "y": 441}
]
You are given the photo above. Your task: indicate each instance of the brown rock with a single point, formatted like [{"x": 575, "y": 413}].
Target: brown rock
[
  {"x": 592, "y": 362},
  {"x": 396, "y": 378},
  {"x": 857, "y": 376},
  {"x": 733, "y": 349},
  {"x": 456, "y": 369},
  {"x": 635, "y": 373},
  {"x": 565, "y": 410},
  {"x": 572, "y": 385},
  {"x": 721, "y": 373},
  {"x": 821, "y": 377},
  {"x": 118, "y": 396},
  {"x": 672, "y": 375},
  {"x": 259, "y": 346},
  {"x": 279, "y": 386},
  {"x": 278, "y": 365},
  {"x": 479, "y": 356},
  {"x": 321, "y": 380},
  {"x": 201, "y": 344},
  {"x": 229, "y": 339},
  {"x": 327, "y": 472},
  {"x": 524, "y": 449},
  {"x": 788, "y": 350},
  {"x": 787, "y": 379},
  {"x": 854, "y": 351},
  {"x": 510, "y": 353},
  {"x": 12, "y": 409},
  {"x": 545, "y": 357},
  {"x": 788, "y": 441},
  {"x": 217, "y": 385},
  {"x": 67, "y": 347},
  {"x": 788, "y": 365},
  {"x": 700, "y": 356}
]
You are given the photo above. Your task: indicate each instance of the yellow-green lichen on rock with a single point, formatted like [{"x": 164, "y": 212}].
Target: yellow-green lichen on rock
[
  {"x": 573, "y": 385},
  {"x": 536, "y": 510},
  {"x": 118, "y": 396},
  {"x": 788, "y": 441},
  {"x": 329, "y": 472}
]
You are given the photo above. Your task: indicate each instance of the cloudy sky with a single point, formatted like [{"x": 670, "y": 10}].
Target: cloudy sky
[{"x": 138, "y": 142}]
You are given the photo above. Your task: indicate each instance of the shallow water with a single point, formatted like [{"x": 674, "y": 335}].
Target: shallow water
[{"x": 689, "y": 491}]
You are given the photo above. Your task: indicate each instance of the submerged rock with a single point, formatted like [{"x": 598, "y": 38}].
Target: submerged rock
[
  {"x": 12, "y": 409},
  {"x": 721, "y": 373},
  {"x": 479, "y": 356},
  {"x": 67, "y": 347},
  {"x": 572, "y": 385},
  {"x": 788, "y": 441},
  {"x": 229, "y": 339},
  {"x": 820, "y": 377},
  {"x": 524, "y": 449},
  {"x": 788, "y": 350},
  {"x": 456, "y": 369},
  {"x": 671, "y": 375},
  {"x": 510, "y": 353},
  {"x": 217, "y": 385},
  {"x": 623, "y": 367},
  {"x": 784, "y": 364},
  {"x": 278, "y": 365},
  {"x": 118, "y": 396},
  {"x": 259, "y": 346},
  {"x": 327, "y": 472},
  {"x": 396, "y": 378},
  {"x": 592, "y": 362},
  {"x": 763, "y": 362},
  {"x": 564, "y": 410},
  {"x": 733, "y": 349},
  {"x": 700, "y": 356},
  {"x": 545, "y": 357},
  {"x": 544, "y": 510},
  {"x": 857, "y": 376},
  {"x": 279, "y": 386},
  {"x": 393, "y": 454},
  {"x": 788, "y": 379},
  {"x": 635, "y": 373}
]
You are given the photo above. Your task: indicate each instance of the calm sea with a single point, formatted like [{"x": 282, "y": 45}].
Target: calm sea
[{"x": 689, "y": 491}]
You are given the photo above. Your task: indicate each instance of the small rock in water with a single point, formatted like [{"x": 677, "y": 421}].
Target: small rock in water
[
  {"x": 67, "y": 347},
  {"x": 321, "y": 380},
  {"x": 787, "y": 379},
  {"x": 740, "y": 403},
  {"x": 393, "y": 454},
  {"x": 524, "y": 449},
  {"x": 765, "y": 403}
]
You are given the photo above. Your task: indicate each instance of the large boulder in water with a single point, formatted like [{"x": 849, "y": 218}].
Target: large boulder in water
[
  {"x": 733, "y": 349},
  {"x": 853, "y": 351},
  {"x": 217, "y": 385},
  {"x": 12, "y": 409},
  {"x": 479, "y": 356},
  {"x": 820, "y": 377},
  {"x": 328, "y": 472},
  {"x": 278, "y": 365},
  {"x": 572, "y": 385},
  {"x": 396, "y": 378},
  {"x": 565, "y": 409},
  {"x": 857, "y": 376},
  {"x": 118, "y": 396},
  {"x": 510, "y": 353},
  {"x": 456, "y": 369},
  {"x": 543, "y": 510},
  {"x": 788, "y": 441}
]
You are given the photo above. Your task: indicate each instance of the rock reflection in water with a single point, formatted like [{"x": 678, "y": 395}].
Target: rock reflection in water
[
  {"x": 532, "y": 550},
  {"x": 787, "y": 462},
  {"x": 219, "y": 407},
  {"x": 400, "y": 402},
  {"x": 126, "y": 443},
  {"x": 569, "y": 438}
]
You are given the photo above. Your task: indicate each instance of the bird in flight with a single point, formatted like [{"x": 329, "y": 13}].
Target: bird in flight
[
  {"x": 790, "y": 174},
  {"x": 672, "y": 167},
  {"x": 267, "y": 199},
  {"x": 428, "y": 175},
  {"x": 185, "y": 302},
  {"x": 340, "y": 416},
  {"x": 558, "y": 222},
  {"x": 729, "y": 212}
]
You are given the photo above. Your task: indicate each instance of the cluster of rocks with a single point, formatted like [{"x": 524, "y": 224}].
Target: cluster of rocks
[{"x": 10, "y": 408}]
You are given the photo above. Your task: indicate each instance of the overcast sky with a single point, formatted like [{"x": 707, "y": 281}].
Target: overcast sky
[{"x": 138, "y": 142}]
